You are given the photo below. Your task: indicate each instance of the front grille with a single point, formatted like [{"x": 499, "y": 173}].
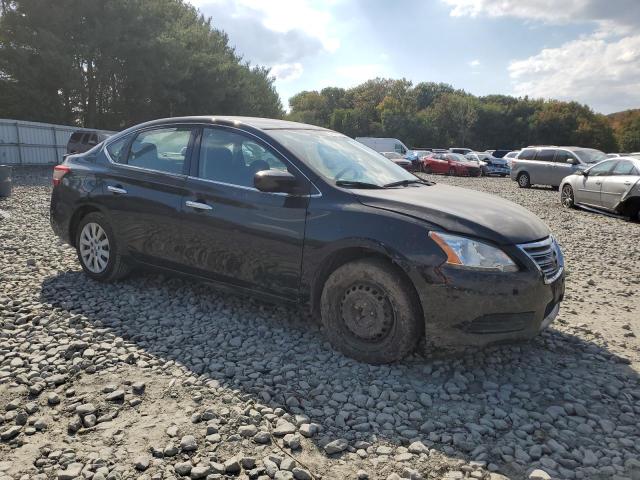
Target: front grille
[
  {"x": 545, "y": 255},
  {"x": 499, "y": 323}
]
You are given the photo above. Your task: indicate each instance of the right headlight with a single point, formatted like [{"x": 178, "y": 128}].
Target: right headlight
[{"x": 467, "y": 253}]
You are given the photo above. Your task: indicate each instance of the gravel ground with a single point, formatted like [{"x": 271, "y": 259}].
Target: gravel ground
[{"x": 161, "y": 378}]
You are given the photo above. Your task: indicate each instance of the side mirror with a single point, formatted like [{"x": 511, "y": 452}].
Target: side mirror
[
  {"x": 585, "y": 173},
  {"x": 572, "y": 161},
  {"x": 276, "y": 181}
]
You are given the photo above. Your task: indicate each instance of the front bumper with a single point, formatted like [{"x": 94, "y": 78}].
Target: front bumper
[
  {"x": 493, "y": 170},
  {"x": 478, "y": 308}
]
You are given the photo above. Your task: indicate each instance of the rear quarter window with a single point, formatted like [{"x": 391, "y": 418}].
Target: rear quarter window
[{"x": 527, "y": 154}]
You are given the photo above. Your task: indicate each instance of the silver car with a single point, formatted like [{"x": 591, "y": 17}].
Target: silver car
[
  {"x": 612, "y": 185},
  {"x": 548, "y": 165}
]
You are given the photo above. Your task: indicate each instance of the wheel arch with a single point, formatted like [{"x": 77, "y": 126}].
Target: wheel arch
[
  {"x": 351, "y": 253},
  {"x": 630, "y": 206},
  {"x": 80, "y": 212}
]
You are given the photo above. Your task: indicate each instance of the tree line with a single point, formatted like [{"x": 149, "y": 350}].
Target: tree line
[
  {"x": 113, "y": 64},
  {"x": 437, "y": 115}
]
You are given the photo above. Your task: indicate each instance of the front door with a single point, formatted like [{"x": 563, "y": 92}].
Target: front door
[
  {"x": 590, "y": 185},
  {"x": 622, "y": 178},
  {"x": 563, "y": 166},
  {"x": 233, "y": 232},
  {"x": 142, "y": 190}
]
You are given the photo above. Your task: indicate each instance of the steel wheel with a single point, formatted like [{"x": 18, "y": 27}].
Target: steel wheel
[
  {"x": 94, "y": 247},
  {"x": 566, "y": 197},
  {"x": 367, "y": 312}
]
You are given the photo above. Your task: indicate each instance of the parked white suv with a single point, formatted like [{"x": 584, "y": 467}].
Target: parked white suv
[{"x": 548, "y": 165}]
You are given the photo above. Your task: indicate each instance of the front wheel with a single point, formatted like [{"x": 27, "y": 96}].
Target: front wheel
[
  {"x": 97, "y": 250},
  {"x": 452, "y": 172},
  {"x": 566, "y": 197},
  {"x": 523, "y": 180},
  {"x": 426, "y": 169},
  {"x": 369, "y": 312}
]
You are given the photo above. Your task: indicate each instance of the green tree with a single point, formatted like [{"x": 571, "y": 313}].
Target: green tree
[{"x": 112, "y": 64}]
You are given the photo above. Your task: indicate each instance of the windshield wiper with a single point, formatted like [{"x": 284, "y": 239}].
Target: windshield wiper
[
  {"x": 356, "y": 184},
  {"x": 404, "y": 183}
]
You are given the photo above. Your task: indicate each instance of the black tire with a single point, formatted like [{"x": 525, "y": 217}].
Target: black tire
[
  {"x": 452, "y": 172},
  {"x": 524, "y": 181},
  {"x": 116, "y": 267},
  {"x": 566, "y": 196},
  {"x": 378, "y": 287},
  {"x": 426, "y": 169}
]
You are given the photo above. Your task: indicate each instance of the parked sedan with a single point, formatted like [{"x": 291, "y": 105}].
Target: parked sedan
[
  {"x": 304, "y": 215},
  {"x": 399, "y": 160},
  {"x": 489, "y": 164},
  {"x": 612, "y": 185},
  {"x": 450, "y": 164}
]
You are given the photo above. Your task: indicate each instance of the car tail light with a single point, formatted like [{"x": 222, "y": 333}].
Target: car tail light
[{"x": 59, "y": 171}]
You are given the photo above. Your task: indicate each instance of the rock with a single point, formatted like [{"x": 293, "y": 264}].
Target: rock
[
  {"x": 183, "y": 468},
  {"x": 283, "y": 427},
  {"x": 247, "y": 431},
  {"x": 138, "y": 388},
  {"x": 538, "y": 474},
  {"x": 262, "y": 438},
  {"x": 85, "y": 409},
  {"x": 142, "y": 463},
  {"x": 72, "y": 471},
  {"x": 188, "y": 443},
  {"x": 336, "y": 446},
  {"x": 115, "y": 396},
  {"x": 362, "y": 475},
  {"x": 301, "y": 474},
  {"x": 200, "y": 471},
  {"x": 232, "y": 466},
  {"x": 418, "y": 448},
  {"x": 10, "y": 433}
]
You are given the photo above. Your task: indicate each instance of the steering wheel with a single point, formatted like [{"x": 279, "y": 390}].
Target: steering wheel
[{"x": 350, "y": 168}]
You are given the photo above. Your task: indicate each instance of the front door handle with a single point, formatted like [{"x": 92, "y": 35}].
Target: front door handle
[
  {"x": 198, "y": 205},
  {"x": 627, "y": 183},
  {"x": 118, "y": 190}
]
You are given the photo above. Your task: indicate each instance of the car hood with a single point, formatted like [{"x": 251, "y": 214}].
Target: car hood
[{"x": 462, "y": 211}]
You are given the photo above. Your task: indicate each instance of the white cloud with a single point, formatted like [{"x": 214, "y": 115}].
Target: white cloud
[
  {"x": 286, "y": 72},
  {"x": 602, "y": 72},
  {"x": 474, "y": 63},
  {"x": 603, "y": 12}
]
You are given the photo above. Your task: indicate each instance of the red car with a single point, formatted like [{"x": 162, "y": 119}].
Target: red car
[{"x": 450, "y": 164}]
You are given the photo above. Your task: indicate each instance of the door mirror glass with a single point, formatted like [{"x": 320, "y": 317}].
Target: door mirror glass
[{"x": 276, "y": 181}]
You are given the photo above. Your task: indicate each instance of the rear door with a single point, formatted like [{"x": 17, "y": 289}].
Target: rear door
[
  {"x": 142, "y": 190},
  {"x": 542, "y": 167},
  {"x": 589, "y": 187},
  {"x": 621, "y": 179},
  {"x": 233, "y": 232}
]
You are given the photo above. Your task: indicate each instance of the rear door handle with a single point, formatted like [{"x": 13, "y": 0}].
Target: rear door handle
[
  {"x": 118, "y": 190},
  {"x": 198, "y": 205}
]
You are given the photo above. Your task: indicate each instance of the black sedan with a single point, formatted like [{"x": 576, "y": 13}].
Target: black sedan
[{"x": 301, "y": 214}]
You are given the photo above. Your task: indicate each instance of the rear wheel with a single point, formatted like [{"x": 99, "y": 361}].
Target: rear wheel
[
  {"x": 566, "y": 196},
  {"x": 523, "y": 180},
  {"x": 98, "y": 252},
  {"x": 369, "y": 312}
]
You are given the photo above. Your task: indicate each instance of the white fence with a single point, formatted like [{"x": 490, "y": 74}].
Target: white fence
[{"x": 33, "y": 143}]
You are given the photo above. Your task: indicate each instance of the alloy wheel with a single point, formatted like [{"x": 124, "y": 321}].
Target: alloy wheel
[
  {"x": 567, "y": 196},
  {"x": 94, "y": 247}
]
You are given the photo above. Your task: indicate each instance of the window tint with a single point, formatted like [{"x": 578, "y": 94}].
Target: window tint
[
  {"x": 117, "y": 149},
  {"x": 601, "y": 169},
  {"x": 623, "y": 167},
  {"x": 163, "y": 149},
  {"x": 85, "y": 138},
  {"x": 527, "y": 154},
  {"x": 546, "y": 155},
  {"x": 75, "y": 137},
  {"x": 230, "y": 157}
]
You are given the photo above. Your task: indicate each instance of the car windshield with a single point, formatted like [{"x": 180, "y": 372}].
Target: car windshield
[
  {"x": 590, "y": 155},
  {"x": 337, "y": 157},
  {"x": 457, "y": 157}
]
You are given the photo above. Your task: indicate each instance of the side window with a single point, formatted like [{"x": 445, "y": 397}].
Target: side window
[
  {"x": 399, "y": 148},
  {"x": 75, "y": 137},
  {"x": 163, "y": 149},
  {"x": 545, "y": 155},
  {"x": 117, "y": 149},
  {"x": 623, "y": 167},
  {"x": 233, "y": 158},
  {"x": 601, "y": 169},
  {"x": 527, "y": 154}
]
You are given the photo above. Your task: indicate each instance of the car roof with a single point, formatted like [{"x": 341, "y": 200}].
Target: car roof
[{"x": 255, "y": 122}]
